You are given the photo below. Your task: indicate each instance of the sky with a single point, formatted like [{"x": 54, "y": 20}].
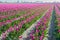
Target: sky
[{"x": 30, "y": 0}]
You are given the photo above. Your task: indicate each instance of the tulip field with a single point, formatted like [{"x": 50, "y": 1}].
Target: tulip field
[{"x": 30, "y": 21}]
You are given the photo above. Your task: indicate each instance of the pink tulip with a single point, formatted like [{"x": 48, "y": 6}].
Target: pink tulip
[
  {"x": 41, "y": 37},
  {"x": 8, "y": 21},
  {"x": 15, "y": 26},
  {"x": 58, "y": 30},
  {"x": 10, "y": 29},
  {"x": 1, "y": 23},
  {"x": 37, "y": 31},
  {"x": 20, "y": 26}
]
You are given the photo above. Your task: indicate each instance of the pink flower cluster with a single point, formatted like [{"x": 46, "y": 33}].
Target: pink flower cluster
[
  {"x": 10, "y": 21},
  {"x": 17, "y": 7},
  {"x": 41, "y": 27},
  {"x": 57, "y": 16},
  {"x": 12, "y": 9},
  {"x": 20, "y": 24}
]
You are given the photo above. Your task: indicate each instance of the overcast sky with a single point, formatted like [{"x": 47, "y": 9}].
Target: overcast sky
[{"x": 30, "y": 0}]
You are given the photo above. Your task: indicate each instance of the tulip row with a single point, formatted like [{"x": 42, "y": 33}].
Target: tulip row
[
  {"x": 40, "y": 29},
  {"x": 29, "y": 19},
  {"x": 5, "y": 21},
  {"x": 57, "y": 23},
  {"x": 10, "y": 10},
  {"x": 5, "y": 27},
  {"x": 8, "y": 7},
  {"x": 11, "y": 27},
  {"x": 15, "y": 14},
  {"x": 16, "y": 22},
  {"x": 11, "y": 20}
]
